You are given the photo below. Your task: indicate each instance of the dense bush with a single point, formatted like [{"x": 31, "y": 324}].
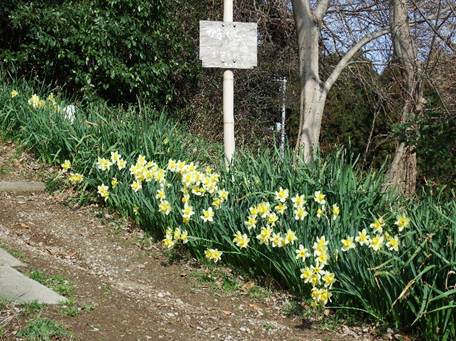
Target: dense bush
[{"x": 117, "y": 50}]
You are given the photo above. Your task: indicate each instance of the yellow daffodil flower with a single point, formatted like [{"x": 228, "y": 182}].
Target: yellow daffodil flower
[
  {"x": 363, "y": 238},
  {"x": 402, "y": 222},
  {"x": 377, "y": 225},
  {"x": 320, "y": 198},
  {"x": 377, "y": 243},
  {"x": 393, "y": 244},
  {"x": 298, "y": 201},
  {"x": 208, "y": 215},
  {"x": 66, "y": 165},
  {"x": 281, "y": 195},
  {"x": 348, "y": 244},
  {"x": 302, "y": 253}
]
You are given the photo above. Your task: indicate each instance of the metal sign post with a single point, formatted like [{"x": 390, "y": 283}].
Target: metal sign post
[{"x": 229, "y": 45}]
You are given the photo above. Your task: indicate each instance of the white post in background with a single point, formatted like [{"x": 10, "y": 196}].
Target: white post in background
[
  {"x": 282, "y": 135},
  {"x": 228, "y": 45},
  {"x": 228, "y": 95}
]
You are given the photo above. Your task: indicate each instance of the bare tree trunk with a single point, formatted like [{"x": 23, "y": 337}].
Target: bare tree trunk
[
  {"x": 403, "y": 172},
  {"x": 314, "y": 91},
  {"x": 312, "y": 94}
]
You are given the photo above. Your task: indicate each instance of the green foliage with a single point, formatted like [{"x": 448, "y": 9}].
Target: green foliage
[
  {"x": 34, "y": 308},
  {"x": 60, "y": 284},
  {"x": 119, "y": 50},
  {"x": 414, "y": 286},
  {"x": 42, "y": 329},
  {"x": 433, "y": 136},
  {"x": 138, "y": 130},
  {"x": 69, "y": 308}
]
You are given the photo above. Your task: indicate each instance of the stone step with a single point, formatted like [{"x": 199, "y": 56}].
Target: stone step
[{"x": 22, "y": 186}]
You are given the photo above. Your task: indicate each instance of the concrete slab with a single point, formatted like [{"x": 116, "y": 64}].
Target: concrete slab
[
  {"x": 21, "y": 289},
  {"x": 7, "y": 260},
  {"x": 22, "y": 186}
]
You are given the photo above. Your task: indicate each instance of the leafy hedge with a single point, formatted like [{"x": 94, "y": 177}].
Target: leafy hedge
[{"x": 118, "y": 50}]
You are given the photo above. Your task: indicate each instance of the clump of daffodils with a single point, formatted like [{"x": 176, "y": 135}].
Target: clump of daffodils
[
  {"x": 50, "y": 102},
  {"x": 268, "y": 216},
  {"x": 103, "y": 191},
  {"x": 213, "y": 254},
  {"x": 76, "y": 178},
  {"x": 265, "y": 223},
  {"x": 196, "y": 184},
  {"x": 380, "y": 238},
  {"x": 35, "y": 102},
  {"x": 321, "y": 280},
  {"x": 172, "y": 237}
]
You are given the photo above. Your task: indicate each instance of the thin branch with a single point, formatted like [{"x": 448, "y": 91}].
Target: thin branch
[
  {"x": 427, "y": 20},
  {"x": 348, "y": 56},
  {"x": 321, "y": 9}
]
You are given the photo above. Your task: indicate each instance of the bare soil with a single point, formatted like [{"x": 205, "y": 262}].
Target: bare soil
[{"x": 128, "y": 287}]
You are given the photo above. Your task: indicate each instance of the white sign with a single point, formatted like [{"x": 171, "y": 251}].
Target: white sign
[{"x": 228, "y": 45}]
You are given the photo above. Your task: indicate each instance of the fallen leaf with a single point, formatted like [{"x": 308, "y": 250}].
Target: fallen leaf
[
  {"x": 248, "y": 285},
  {"x": 254, "y": 306},
  {"x": 226, "y": 312},
  {"x": 405, "y": 336},
  {"x": 70, "y": 255},
  {"x": 327, "y": 312}
]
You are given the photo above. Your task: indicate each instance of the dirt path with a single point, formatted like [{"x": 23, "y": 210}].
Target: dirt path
[{"x": 135, "y": 292}]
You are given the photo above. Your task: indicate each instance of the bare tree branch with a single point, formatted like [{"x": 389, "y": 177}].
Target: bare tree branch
[{"x": 428, "y": 21}]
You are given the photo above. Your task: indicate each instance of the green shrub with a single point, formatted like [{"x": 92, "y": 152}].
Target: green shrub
[{"x": 119, "y": 50}]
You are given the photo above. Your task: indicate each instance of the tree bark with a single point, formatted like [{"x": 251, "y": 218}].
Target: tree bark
[
  {"x": 403, "y": 172},
  {"x": 313, "y": 91},
  {"x": 312, "y": 94}
]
